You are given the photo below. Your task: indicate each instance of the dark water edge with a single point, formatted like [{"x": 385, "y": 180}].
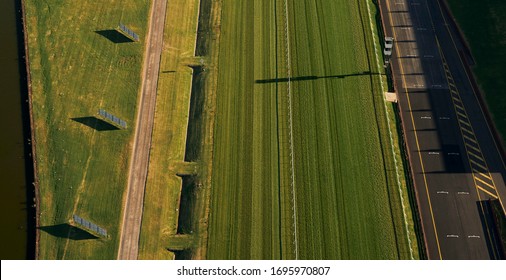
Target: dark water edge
[
  {"x": 16, "y": 166},
  {"x": 27, "y": 133}
]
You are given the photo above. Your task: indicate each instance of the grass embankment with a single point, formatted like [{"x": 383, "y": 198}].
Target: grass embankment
[
  {"x": 174, "y": 196},
  {"x": 484, "y": 26},
  {"x": 347, "y": 197},
  {"x": 78, "y": 65}
]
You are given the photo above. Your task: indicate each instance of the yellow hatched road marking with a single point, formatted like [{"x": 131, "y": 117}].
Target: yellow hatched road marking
[
  {"x": 467, "y": 130},
  {"x": 463, "y": 119},
  {"x": 416, "y": 140},
  {"x": 475, "y": 155},
  {"x": 479, "y": 165},
  {"x": 485, "y": 191},
  {"x": 477, "y": 172},
  {"x": 483, "y": 182},
  {"x": 472, "y": 140},
  {"x": 443, "y": 58},
  {"x": 464, "y": 122},
  {"x": 462, "y": 115},
  {"x": 473, "y": 147},
  {"x": 469, "y": 80},
  {"x": 457, "y": 105}
]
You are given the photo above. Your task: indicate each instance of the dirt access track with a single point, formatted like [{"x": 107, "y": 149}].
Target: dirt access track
[{"x": 132, "y": 212}]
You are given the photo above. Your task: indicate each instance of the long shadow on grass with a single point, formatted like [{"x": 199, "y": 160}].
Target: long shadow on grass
[
  {"x": 95, "y": 123},
  {"x": 114, "y": 36},
  {"x": 309, "y": 78},
  {"x": 67, "y": 231}
]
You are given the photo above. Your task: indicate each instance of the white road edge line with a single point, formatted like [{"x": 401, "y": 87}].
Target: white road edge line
[{"x": 390, "y": 132}]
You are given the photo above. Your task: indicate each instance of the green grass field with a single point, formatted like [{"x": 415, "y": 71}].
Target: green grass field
[
  {"x": 484, "y": 26},
  {"x": 163, "y": 187},
  {"x": 77, "y": 67},
  {"x": 347, "y": 198}
]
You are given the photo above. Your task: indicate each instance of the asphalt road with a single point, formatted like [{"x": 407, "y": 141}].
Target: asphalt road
[
  {"x": 455, "y": 162},
  {"x": 132, "y": 212}
]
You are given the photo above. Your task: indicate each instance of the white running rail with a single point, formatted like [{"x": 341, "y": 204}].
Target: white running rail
[
  {"x": 390, "y": 132},
  {"x": 292, "y": 167}
]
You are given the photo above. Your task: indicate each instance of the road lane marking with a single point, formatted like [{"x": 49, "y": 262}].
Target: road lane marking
[
  {"x": 472, "y": 140},
  {"x": 478, "y": 144},
  {"x": 464, "y": 122},
  {"x": 483, "y": 182},
  {"x": 442, "y": 192},
  {"x": 452, "y": 236},
  {"x": 481, "y": 174},
  {"x": 472, "y": 147},
  {"x": 473, "y": 236},
  {"x": 468, "y": 131},
  {"x": 416, "y": 140},
  {"x": 466, "y": 193},
  {"x": 473, "y": 90},
  {"x": 475, "y": 155},
  {"x": 460, "y": 109},
  {"x": 462, "y": 115},
  {"x": 478, "y": 164},
  {"x": 487, "y": 192},
  {"x": 456, "y": 98}
]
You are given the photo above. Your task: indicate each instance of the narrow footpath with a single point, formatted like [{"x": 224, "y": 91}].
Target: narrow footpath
[{"x": 132, "y": 212}]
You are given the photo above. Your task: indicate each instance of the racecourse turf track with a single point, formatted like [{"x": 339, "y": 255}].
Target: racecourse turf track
[{"x": 302, "y": 162}]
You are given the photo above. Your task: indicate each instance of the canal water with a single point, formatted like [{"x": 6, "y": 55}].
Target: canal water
[{"x": 14, "y": 134}]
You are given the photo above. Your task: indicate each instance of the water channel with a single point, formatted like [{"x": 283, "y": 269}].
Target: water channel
[{"x": 16, "y": 203}]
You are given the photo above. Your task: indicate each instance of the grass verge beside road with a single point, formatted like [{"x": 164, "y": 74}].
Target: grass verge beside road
[{"x": 79, "y": 65}]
